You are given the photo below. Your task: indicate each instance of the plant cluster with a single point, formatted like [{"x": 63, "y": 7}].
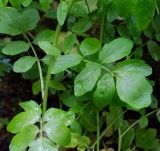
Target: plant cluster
[{"x": 87, "y": 53}]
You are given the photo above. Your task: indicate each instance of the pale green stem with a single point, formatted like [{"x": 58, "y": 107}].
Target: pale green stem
[
  {"x": 119, "y": 139},
  {"x": 51, "y": 62},
  {"x": 39, "y": 65},
  {"x": 98, "y": 132},
  {"x": 108, "y": 127},
  {"x": 136, "y": 122}
]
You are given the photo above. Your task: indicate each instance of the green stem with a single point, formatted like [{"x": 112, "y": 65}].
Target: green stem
[
  {"x": 157, "y": 9},
  {"x": 98, "y": 132},
  {"x": 108, "y": 127},
  {"x": 136, "y": 122},
  {"x": 51, "y": 62},
  {"x": 119, "y": 139},
  {"x": 102, "y": 28},
  {"x": 39, "y": 65}
]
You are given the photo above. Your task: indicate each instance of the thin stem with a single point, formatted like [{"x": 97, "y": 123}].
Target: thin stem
[
  {"x": 119, "y": 139},
  {"x": 157, "y": 9},
  {"x": 136, "y": 122},
  {"x": 51, "y": 62},
  {"x": 39, "y": 65},
  {"x": 102, "y": 28},
  {"x": 41, "y": 128},
  {"x": 98, "y": 132},
  {"x": 108, "y": 127},
  {"x": 89, "y": 12}
]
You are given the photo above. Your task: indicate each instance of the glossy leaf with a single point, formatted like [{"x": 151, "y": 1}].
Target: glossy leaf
[
  {"x": 21, "y": 120},
  {"x": 15, "y": 47},
  {"x": 154, "y": 50},
  {"x": 133, "y": 65},
  {"x": 58, "y": 132},
  {"x": 104, "y": 91},
  {"x": 24, "y": 64},
  {"x": 30, "y": 106},
  {"x": 65, "y": 61},
  {"x": 89, "y": 46},
  {"x": 87, "y": 78},
  {"x": 48, "y": 48},
  {"x": 62, "y": 12},
  {"x": 115, "y": 50},
  {"x": 144, "y": 13},
  {"x": 134, "y": 89},
  {"x": 66, "y": 118},
  {"x": 43, "y": 144},
  {"x": 23, "y": 139}
]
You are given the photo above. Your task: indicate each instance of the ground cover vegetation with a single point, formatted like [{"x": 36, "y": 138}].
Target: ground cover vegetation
[{"x": 85, "y": 75}]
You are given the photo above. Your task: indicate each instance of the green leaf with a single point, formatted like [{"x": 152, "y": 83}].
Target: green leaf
[
  {"x": 62, "y": 12},
  {"x": 26, "y": 3},
  {"x": 154, "y": 50},
  {"x": 88, "y": 117},
  {"x": 57, "y": 85},
  {"x": 128, "y": 138},
  {"x": 20, "y": 121},
  {"x": 65, "y": 61},
  {"x": 23, "y": 139},
  {"x": 28, "y": 19},
  {"x": 115, "y": 111},
  {"x": 138, "y": 53},
  {"x": 45, "y": 4},
  {"x": 143, "y": 122},
  {"x": 134, "y": 89},
  {"x": 8, "y": 22},
  {"x": 115, "y": 50},
  {"x": 144, "y": 13},
  {"x": 82, "y": 142},
  {"x": 43, "y": 144},
  {"x": 87, "y": 78},
  {"x": 15, "y": 47},
  {"x": 30, "y": 106},
  {"x": 69, "y": 43},
  {"x": 81, "y": 26},
  {"x": 48, "y": 48},
  {"x": 89, "y": 46},
  {"x": 104, "y": 91},
  {"x": 14, "y": 23},
  {"x": 124, "y": 7},
  {"x": 145, "y": 139},
  {"x": 24, "y": 64},
  {"x": 64, "y": 117},
  {"x": 133, "y": 65},
  {"x": 3, "y": 3},
  {"x": 16, "y": 3},
  {"x": 36, "y": 87},
  {"x": 58, "y": 132}
]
